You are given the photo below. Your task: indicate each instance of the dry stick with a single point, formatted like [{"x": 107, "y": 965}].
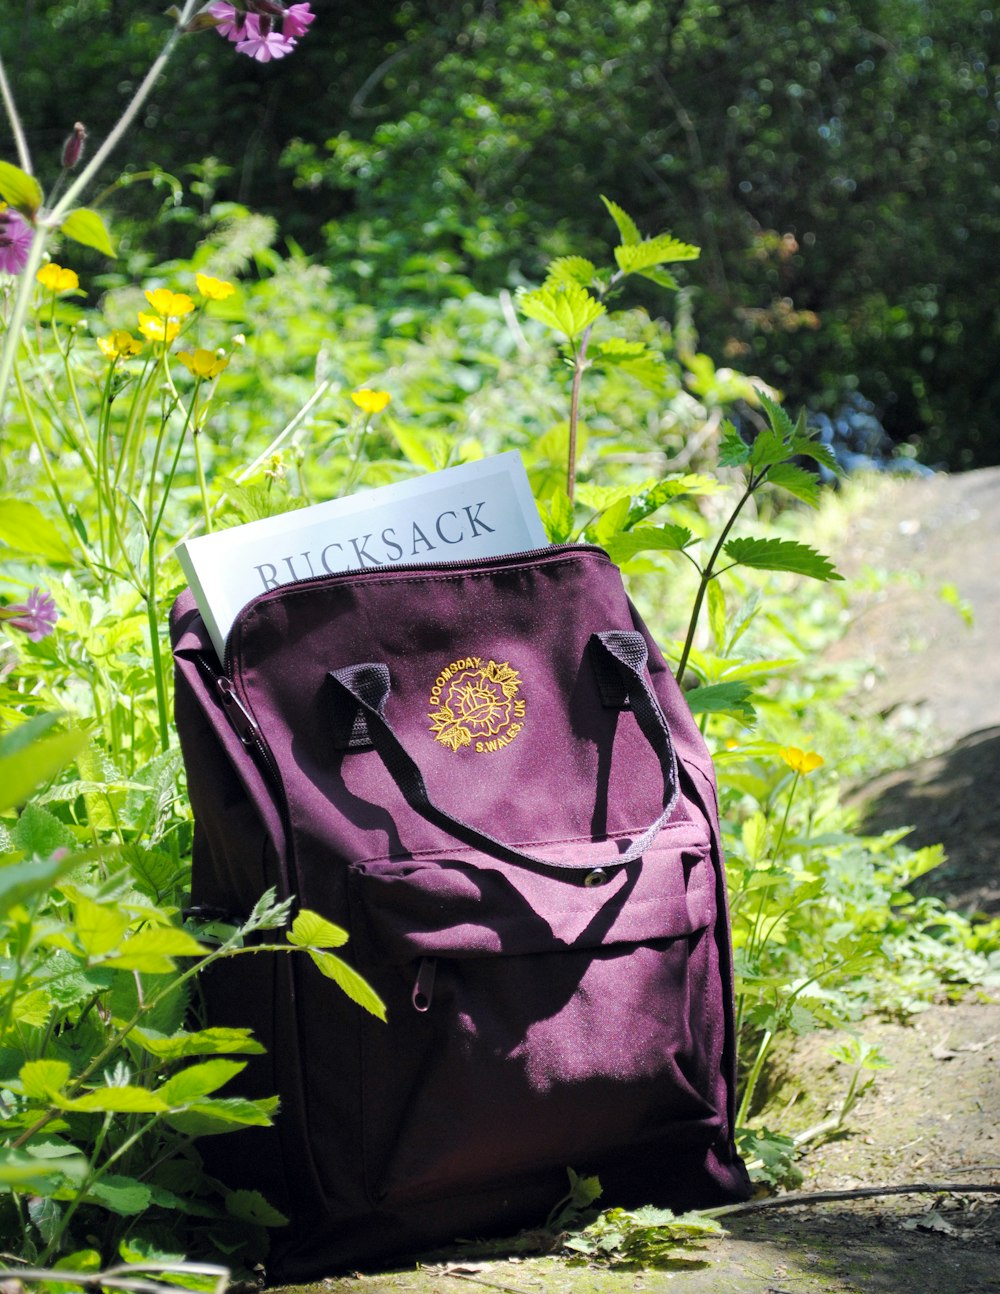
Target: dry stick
[{"x": 860, "y": 1193}]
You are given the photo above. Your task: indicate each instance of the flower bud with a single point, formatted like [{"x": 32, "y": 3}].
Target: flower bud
[{"x": 73, "y": 147}]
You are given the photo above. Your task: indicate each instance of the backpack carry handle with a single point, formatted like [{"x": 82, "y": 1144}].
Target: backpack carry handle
[{"x": 619, "y": 656}]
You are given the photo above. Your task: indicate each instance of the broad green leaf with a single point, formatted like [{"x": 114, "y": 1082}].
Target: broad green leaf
[
  {"x": 86, "y": 227},
  {"x": 82, "y": 1260},
  {"x": 39, "y": 834},
  {"x": 721, "y": 698},
  {"x": 26, "y": 529},
  {"x": 611, "y": 522},
  {"x": 627, "y": 227},
  {"x": 20, "y": 882},
  {"x": 20, "y": 189},
  {"x": 807, "y": 447},
  {"x": 797, "y": 481},
  {"x": 41, "y": 1079},
  {"x": 24, "y": 769},
  {"x": 662, "y": 278},
  {"x": 780, "y": 422},
  {"x": 310, "y": 930},
  {"x": 716, "y": 599},
  {"x": 152, "y": 950},
  {"x": 98, "y": 927},
  {"x": 22, "y": 1170},
  {"x": 557, "y": 517},
  {"x": 251, "y": 1206},
  {"x": 413, "y": 446},
  {"x": 122, "y": 1195},
  {"x": 781, "y": 555},
  {"x": 127, "y": 1099},
  {"x": 615, "y": 348},
  {"x": 217, "y": 1041},
  {"x": 633, "y": 258},
  {"x": 576, "y": 268},
  {"x": 733, "y": 449},
  {"x": 638, "y": 361},
  {"x": 566, "y": 307},
  {"x": 651, "y": 498},
  {"x": 223, "y": 1115},
  {"x": 199, "y": 1081},
  {"x": 600, "y": 497},
  {"x": 356, "y": 988},
  {"x": 32, "y": 1008},
  {"x": 641, "y": 539},
  {"x": 768, "y": 447}
]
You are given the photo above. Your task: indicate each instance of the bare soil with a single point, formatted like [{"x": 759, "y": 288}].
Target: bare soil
[{"x": 934, "y": 1117}]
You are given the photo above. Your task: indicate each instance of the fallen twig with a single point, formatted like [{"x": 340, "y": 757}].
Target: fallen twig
[{"x": 796, "y": 1198}]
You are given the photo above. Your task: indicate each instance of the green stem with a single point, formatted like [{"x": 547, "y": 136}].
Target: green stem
[
  {"x": 707, "y": 575},
  {"x": 13, "y": 116},
  {"x": 753, "y": 1077}
]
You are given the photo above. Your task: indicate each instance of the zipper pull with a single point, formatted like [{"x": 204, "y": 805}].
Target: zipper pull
[
  {"x": 242, "y": 724},
  {"x": 423, "y": 989}
]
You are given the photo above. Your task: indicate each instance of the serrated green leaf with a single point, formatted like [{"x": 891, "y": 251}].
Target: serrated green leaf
[
  {"x": 98, "y": 927},
  {"x": 251, "y": 1206},
  {"x": 614, "y": 348},
  {"x": 26, "y": 529},
  {"x": 600, "y": 497},
  {"x": 575, "y": 268},
  {"x": 198, "y": 1081},
  {"x": 733, "y": 449},
  {"x": 20, "y": 189},
  {"x": 651, "y": 498},
  {"x": 780, "y": 422},
  {"x": 797, "y": 481},
  {"x": 557, "y": 517},
  {"x": 152, "y": 950},
  {"x": 348, "y": 979},
  {"x": 611, "y": 522},
  {"x": 222, "y": 1115},
  {"x": 127, "y": 1099},
  {"x": 122, "y": 1195},
  {"x": 641, "y": 539},
  {"x": 633, "y": 258},
  {"x": 781, "y": 555},
  {"x": 721, "y": 698},
  {"x": 310, "y": 930},
  {"x": 38, "y": 834},
  {"x": 662, "y": 278},
  {"x": 86, "y": 227},
  {"x": 768, "y": 448},
  {"x": 41, "y": 1079},
  {"x": 217, "y": 1041},
  {"x": 32, "y": 1008},
  {"x": 627, "y": 227},
  {"x": 807, "y": 447},
  {"x": 566, "y": 307}
]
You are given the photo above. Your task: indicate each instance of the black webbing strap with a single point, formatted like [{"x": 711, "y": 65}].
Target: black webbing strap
[{"x": 362, "y": 691}]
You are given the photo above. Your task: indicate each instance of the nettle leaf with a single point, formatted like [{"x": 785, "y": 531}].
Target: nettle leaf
[
  {"x": 600, "y": 497},
  {"x": 797, "y": 481},
  {"x": 733, "y": 449},
  {"x": 86, "y": 227},
  {"x": 781, "y": 555},
  {"x": 807, "y": 447},
  {"x": 780, "y": 422},
  {"x": 99, "y": 927},
  {"x": 768, "y": 447},
  {"x": 20, "y": 189},
  {"x": 251, "y": 1206},
  {"x": 40, "y": 1079},
  {"x": 348, "y": 979},
  {"x": 662, "y": 278},
  {"x": 122, "y": 1195},
  {"x": 310, "y": 930},
  {"x": 153, "y": 950},
  {"x": 618, "y": 348},
  {"x": 721, "y": 698},
  {"x": 633, "y": 258},
  {"x": 566, "y": 307},
  {"x": 642, "y": 539},
  {"x": 653, "y": 497},
  {"x": 198, "y": 1081},
  {"x": 217, "y": 1041},
  {"x": 575, "y": 268},
  {"x": 39, "y": 834},
  {"x": 627, "y": 227}
]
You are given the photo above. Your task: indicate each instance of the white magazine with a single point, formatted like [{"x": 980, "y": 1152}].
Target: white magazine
[{"x": 480, "y": 509}]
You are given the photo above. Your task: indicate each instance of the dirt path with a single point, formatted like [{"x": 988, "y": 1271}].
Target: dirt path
[{"x": 935, "y": 1115}]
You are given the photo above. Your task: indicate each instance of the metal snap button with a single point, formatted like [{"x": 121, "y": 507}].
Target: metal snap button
[{"x": 597, "y": 877}]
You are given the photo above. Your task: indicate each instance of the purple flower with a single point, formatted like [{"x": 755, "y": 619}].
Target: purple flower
[
  {"x": 15, "y": 241},
  {"x": 36, "y": 617},
  {"x": 259, "y": 35},
  {"x": 296, "y": 20}
]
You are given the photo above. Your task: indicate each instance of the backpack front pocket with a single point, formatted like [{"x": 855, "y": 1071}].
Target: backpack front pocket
[{"x": 533, "y": 1020}]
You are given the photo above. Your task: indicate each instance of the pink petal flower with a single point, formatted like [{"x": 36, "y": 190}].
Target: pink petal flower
[
  {"x": 232, "y": 23},
  {"x": 263, "y": 47},
  {"x": 36, "y": 617},
  {"x": 297, "y": 20},
  {"x": 15, "y": 242}
]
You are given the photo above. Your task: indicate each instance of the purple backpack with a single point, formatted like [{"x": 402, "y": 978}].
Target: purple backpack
[{"x": 486, "y": 773}]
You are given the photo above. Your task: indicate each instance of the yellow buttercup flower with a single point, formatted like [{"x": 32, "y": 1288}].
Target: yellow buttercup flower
[
  {"x": 153, "y": 328},
  {"x": 119, "y": 345},
  {"x": 370, "y": 401},
  {"x": 171, "y": 305},
  {"x": 801, "y": 761},
  {"x": 213, "y": 289},
  {"x": 56, "y": 279},
  {"x": 202, "y": 363}
]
